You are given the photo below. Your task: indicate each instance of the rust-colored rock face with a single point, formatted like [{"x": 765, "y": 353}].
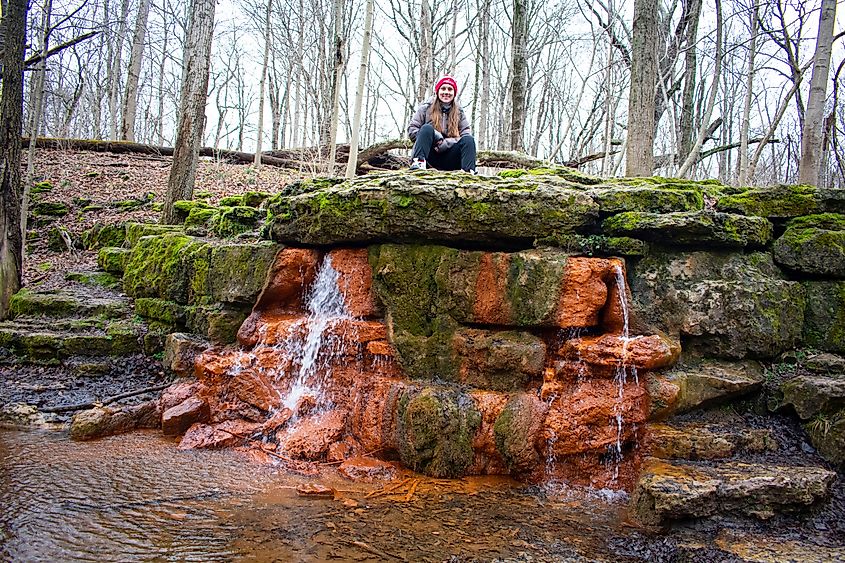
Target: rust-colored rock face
[
  {"x": 355, "y": 281},
  {"x": 491, "y": 305},
  {"x": 584, "y": 291},
  {"x": 288, "y": 279},
  {"x": 525, "y": 395}
]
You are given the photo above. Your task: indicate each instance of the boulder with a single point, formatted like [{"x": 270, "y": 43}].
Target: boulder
[
  {"x": 113, "y": 259},
  {"x": 222, "y": 435},
  {"x": 311, "y": 438},
  {"x": 827, "y": 434},
  {"x": 667, "y": 492},
  {"x": 646, "y": 198},
  {"x": 813, "y": 245},
  {"x": 107, "y": 421},
  {"x": 711, "y": 382},
  {"x": 518, "y": 432},
  {"x": 237, "y": 271},
  {"x": 367, "y": 469},
  {"x": 780, "y": 202},
  {"x": 104, "y": 235},
  {"x": 609, "y": 350},
  {"x": 434, "y": 429},
  {"x": 176, "y": 420},
  {"x": 721, "y": 304},
  {"x": 696, "y": 228},
  {"x": 433, "y": 206},
  {"x": 811, "y": 395},
  {"x": 824, "y": 317},
  {"x": 355, "y": 281},
  {"x": 498, "y": 360},
  {"x": 288, "y": 278},
  {"x": 16, "y": 415},
  {"x": 695, "y": 442},
  {"x": 180, "y": 351}
]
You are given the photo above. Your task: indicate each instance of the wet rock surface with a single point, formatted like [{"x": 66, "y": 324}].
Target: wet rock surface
[{"x": 674, "y": 491}]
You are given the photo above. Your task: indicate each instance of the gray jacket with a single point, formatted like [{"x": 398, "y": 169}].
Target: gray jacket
[{"x": 421, "y": 118}]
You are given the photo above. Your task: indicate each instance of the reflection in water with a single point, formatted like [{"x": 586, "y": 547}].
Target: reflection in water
[{"x": 135, "y": 497}]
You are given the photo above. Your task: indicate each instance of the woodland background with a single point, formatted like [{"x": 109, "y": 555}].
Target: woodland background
[{"x": 548, "y": 78}]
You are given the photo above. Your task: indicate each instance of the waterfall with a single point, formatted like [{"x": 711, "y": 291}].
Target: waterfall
[{"x": 325, "y": 306}]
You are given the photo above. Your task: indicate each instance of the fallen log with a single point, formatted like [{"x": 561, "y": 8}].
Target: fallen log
[{"x": 107, "y": 401}]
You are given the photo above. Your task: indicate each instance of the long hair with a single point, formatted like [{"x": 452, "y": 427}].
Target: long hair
[{"x": 453, "y": 119}]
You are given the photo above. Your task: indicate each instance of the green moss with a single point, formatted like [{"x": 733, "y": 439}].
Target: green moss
[
  {"x": 41, "y": 187},
  {"x": 254, "y": 199},
  {"x": 201, "y": 216},
  {"x": 779, "y": 201},
  {"x": 435, "y": 428},
  {"x": 113, "y": 260},
  {"x": 157, "y": 268},
  {"x": 160, "y": 310},
  {"x": 134, "y": 231},
  {"x": 232, "y": 221},
  {"x": 596, "y": 245},
  {"x": 94, "y": 279},
  {"x": 49, "y": 209},
  {"x": 103, "y": 235},
  {"x": 232, "y": 200},
  {"x": 827, "y": 221}
]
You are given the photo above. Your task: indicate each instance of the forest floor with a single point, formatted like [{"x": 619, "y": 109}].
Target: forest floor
[{"x": 86, "y": 180}]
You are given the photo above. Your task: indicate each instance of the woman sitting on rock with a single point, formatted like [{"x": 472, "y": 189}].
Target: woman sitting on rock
[{"x": 441, "y": 133}]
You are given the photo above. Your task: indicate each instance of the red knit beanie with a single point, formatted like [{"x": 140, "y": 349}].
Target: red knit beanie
[{"x": 446, "y": 80}]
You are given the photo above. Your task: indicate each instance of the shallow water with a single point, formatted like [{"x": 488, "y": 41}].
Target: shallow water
[{"x": 135, "y": 497}]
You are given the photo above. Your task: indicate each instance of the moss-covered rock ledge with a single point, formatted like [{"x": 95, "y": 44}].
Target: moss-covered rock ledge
[{"x": 455, "y": 207}]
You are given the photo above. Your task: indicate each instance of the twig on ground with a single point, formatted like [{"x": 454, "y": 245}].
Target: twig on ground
[{"x": 107, "y": 401}]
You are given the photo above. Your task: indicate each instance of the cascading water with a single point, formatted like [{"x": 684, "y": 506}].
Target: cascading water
[
  {"x": 621, "y": 376},
  {"x": 312, "y": 353}
]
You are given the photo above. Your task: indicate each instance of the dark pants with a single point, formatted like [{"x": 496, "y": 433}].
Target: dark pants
[{"x": 460, "y": 156}]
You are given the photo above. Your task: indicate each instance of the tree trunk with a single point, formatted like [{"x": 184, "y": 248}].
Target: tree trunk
[
  {"x": 484, "y": 110},
  {"x": 690, "y": 73},
  {"x": 38, "y": 106},
  {"x": 640, "y": 149},
  {"x": 812, "y": 134},
  {"x": 742, "y": 172},
  {"x": 337, "y": 77},
  {"x": 11, "y": 110},
  {"x": 117, "y": 62},
  {"x": 703, "y": 130},
  {"x": 519, "y": 73},
  {"x": 262, "y": 82},
  {"x": 426, "y": 54},
  {"x": 352, "y": 161},
  {"x": 130, "y": 100},
  {"x": 191, "y": 121}
]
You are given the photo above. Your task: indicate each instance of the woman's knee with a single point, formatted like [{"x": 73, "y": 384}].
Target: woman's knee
[
  {"x": 467, "y": 140},
  {"x": 428, "y": 128}
]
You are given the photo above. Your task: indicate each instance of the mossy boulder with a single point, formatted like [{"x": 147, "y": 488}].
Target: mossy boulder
[
  {"x": 125, "y": 337},
  {"x": 94, "y": 279},
  {"x": 113, "y": 259},
  {"x": 183, "y": 208},
  {"x": 569, "y": 174},
  {"x": 501, "y": 360},
  {"x": 517, "y": 432},
  {"x": 814, "y": 395},
  {"x": 824, "y": 318},
  {"x": 59, "y": 239},
  {"x": 65, "y": 303},
  {"x": 219, "y": 323},
  {"x": 49, "y": 209},
  {"x": 201, "y": 216},
  {"x": 827, "y": 434},
  {"x": 160, "y": 310},
  {"x": 648, "y": 199},
  {"x": 814, "y": 244},
  {"x": 157, "y": 267},
  {"x": 781, "y": 202},
  {"x": 237, "y": 271},
  {"x": 434, "y": 206},
  {"x": 232, "y": 221},
  {"x": 724, "y": 305},
  {"x": 711, "y": 382},
  {"x": 435, "y": 429},
  {"x": 693, "y": 228},
  {"x": 134, "y": 231},
  {"x": 104, "y": 235}
]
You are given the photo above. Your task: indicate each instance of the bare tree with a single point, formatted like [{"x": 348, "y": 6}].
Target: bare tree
[
  {"x": 130, "y": 98},
  {"x": 337, "y": 77},
  {"x": 352, "y": 162},
  {"x": 519, "y": 72},
  {"x": 264, "y": 65},
  {"x": 189, "y": 132},
  {"x": 13, "y": 25},
  {"x": 812, "y": 135},
  {"x": 640, "y": 147}
]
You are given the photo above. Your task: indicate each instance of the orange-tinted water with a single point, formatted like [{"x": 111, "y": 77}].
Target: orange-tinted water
[{"x": 136, "y": 498}]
